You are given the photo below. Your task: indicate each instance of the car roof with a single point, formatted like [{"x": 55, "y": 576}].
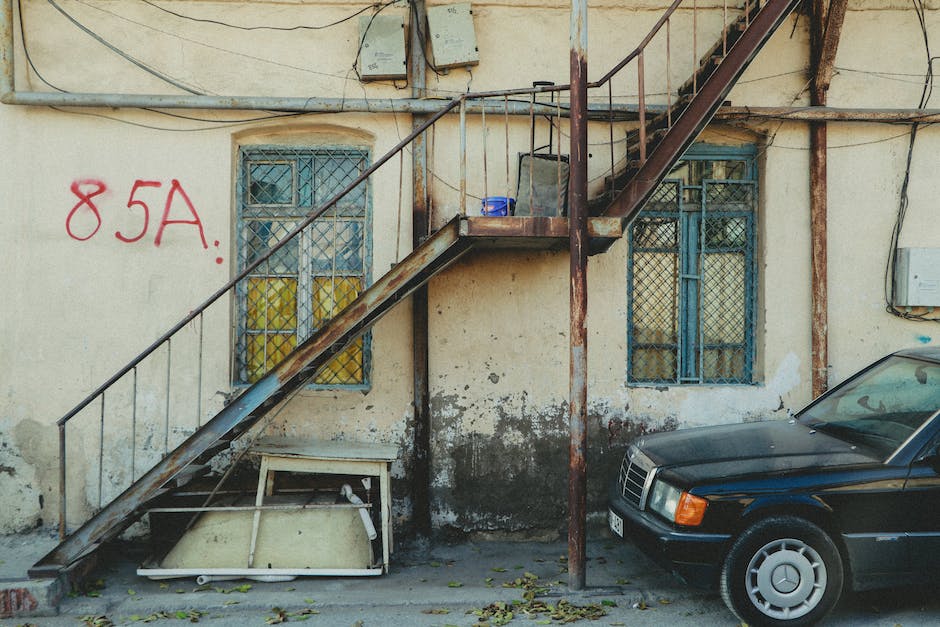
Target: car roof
[{"x": 922, "y": 352}]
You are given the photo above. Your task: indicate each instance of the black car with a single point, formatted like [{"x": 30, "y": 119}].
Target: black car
[{"x": 779, "y": 515}]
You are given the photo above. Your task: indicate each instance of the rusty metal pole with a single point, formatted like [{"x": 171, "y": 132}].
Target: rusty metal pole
[
  {"x": 819, "y": 332},
  {"x": 577, "y": 212},
  {"x": 825, "y": 32},
  {"x": 420, "y": 228},
  {"x": 819, "y": 258}
]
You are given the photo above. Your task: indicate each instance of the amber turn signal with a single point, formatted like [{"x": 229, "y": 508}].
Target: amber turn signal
[{"x": 691, "y": 510}]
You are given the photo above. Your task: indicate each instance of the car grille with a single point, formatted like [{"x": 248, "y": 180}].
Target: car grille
[{"x": 635, "y": 474}]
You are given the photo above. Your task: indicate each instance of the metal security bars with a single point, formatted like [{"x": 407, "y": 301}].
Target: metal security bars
[
  {"x": 692, "y": 274},
  {"x": 294, "y": 292}
]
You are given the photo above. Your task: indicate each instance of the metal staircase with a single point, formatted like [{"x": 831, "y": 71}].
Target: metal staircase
[{"x": 652, "y": 149}]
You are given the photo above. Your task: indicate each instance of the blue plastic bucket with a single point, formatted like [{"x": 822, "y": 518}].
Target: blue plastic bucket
[{"x": 498, "y": 206}]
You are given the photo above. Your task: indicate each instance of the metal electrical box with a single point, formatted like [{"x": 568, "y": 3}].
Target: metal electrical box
[
  {"x": 453, "y": 40},
  {"x": 382, "y": 52},
  {"x": 917, "y": 277}
]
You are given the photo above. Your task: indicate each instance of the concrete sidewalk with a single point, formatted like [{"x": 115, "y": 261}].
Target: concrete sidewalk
[{"x": 472, "y": 575}]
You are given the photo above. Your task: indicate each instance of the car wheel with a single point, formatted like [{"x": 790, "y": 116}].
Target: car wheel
[{"x": 782, "y": 570}]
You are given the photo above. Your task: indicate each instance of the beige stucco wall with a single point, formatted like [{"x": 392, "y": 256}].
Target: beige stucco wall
[{"x": 75, "y": 311}]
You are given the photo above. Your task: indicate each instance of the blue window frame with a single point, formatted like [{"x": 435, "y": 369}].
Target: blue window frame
[
  {"x": 691, "y": 275},
  {"x": 306, "y": 283}
]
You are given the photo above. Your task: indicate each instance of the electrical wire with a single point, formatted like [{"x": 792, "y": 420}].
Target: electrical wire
[
  {"x": 224, "y": 123},
  {"x": 377, "y": 5},
  {"x": 210, "y": 46},
  {"x": 163, "y": 77},
  {"x": 219, "y": 124},
  {"x": 890, "y": 284}
]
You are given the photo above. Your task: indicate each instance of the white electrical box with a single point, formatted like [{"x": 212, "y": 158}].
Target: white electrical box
[
  {"x": 453, "y": 40},
  {"x": 917, "y": 277},
  {"x": 382, "y": 52}
]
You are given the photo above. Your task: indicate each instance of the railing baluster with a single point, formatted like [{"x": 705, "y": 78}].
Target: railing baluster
[
  {"x": 695, "y": 64},
  {"x": 463, "y": 157},
  {"x": 506, "y": 124},
  {"x": 485, "y": 174},
  {"x": 531, "y": 153},
  {"x": 63, "y": 488},
  {"x": 558, "y": 158},
  {"x": 610, "y": 113},
  {"x": 101, "y": 451},
  {"x": 166, "y": 418},
  {"x": 199, "y": 376},
  {"x": 724, "y": 28},
  {"x": 642, "y": 90},
  {"x": 668, "y": 77},
  {"x": 134, "y": 429}
]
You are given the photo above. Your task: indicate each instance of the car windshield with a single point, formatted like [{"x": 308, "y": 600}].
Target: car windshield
[{"x": 881, "y": 407}]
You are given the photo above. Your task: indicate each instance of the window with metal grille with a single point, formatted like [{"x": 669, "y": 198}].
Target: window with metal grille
[
  {"x": 691, "y": 275},
  {"x": 312, "y": 278}
]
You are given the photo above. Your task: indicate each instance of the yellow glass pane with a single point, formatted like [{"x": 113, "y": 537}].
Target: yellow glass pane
[
  {"x": 272, "y": 304},
  {"x": 344, "y": 369},
  {"x": 264, "y": 351},
  {"x": 331, "y": 296}
]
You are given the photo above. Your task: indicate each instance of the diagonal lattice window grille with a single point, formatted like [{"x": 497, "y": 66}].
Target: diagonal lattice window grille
[
  {"x": 313, "y": 277},
  {"x": 691, "y": 274}
]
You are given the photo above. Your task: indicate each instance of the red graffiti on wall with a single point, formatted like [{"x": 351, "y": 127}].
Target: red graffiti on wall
[
  {"x": 85, "y": 202},
  {"x": 178, "y": 209}
]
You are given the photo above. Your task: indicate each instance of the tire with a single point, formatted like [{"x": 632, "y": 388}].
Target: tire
[{"x": 798, "y": 553}]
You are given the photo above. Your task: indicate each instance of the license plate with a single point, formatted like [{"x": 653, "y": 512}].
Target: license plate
[{"x": 616, "y": 523}]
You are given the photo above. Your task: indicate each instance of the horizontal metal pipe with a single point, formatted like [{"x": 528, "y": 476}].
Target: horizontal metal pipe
[{"x": 622, "y": 112}]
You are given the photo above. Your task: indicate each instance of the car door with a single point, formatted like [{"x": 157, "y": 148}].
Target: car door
[{"x": 922, "y": 492}]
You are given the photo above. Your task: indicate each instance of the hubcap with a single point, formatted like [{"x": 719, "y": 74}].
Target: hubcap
[{"x": 786, "y": 579}]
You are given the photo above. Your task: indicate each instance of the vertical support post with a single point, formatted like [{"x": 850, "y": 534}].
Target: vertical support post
[
  {"x": 577, "y": 211},
  {"x": 825, "y": 31},
  {"x": 63, "y": 531},
  {"x": 420, "y": 228},
  {"x": 818, "y": 133}
]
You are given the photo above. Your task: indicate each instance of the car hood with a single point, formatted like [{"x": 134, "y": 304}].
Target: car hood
[{"x": 705, "y": 453}]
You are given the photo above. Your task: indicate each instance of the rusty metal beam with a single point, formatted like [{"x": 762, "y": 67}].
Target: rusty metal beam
[
  {"x": 829, "y": 114},
  {"x": 577, "y": 212},
  {"x": 830, "y": 26},
  {"x": 437, "y": 252}
]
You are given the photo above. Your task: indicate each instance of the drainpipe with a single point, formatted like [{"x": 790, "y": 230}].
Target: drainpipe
[
  {"x": 420, "y": 227},
  {"x": 577, "y": 223},
  {"x": 825, "y": 30}
]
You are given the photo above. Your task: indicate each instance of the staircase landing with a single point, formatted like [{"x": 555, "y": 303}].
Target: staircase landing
[{"x": 538, "y": 233}]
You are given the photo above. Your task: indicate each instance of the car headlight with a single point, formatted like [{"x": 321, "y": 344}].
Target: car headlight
[{"x": 676, "y": 505}]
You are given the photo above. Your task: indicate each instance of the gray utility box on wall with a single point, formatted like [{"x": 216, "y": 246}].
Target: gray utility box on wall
[
  {"x": 453, "y": 40},
  {"x": 382, "y": 55},
  {"x": 917, "y": 277}
]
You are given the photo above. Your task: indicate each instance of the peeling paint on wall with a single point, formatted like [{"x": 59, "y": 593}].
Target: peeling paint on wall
[{"x": 513, "y": 477}]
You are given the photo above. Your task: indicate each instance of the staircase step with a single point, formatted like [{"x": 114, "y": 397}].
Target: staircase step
[
  {"x": 187, "y": 474},
  {"x": 222, "y": 445}
]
